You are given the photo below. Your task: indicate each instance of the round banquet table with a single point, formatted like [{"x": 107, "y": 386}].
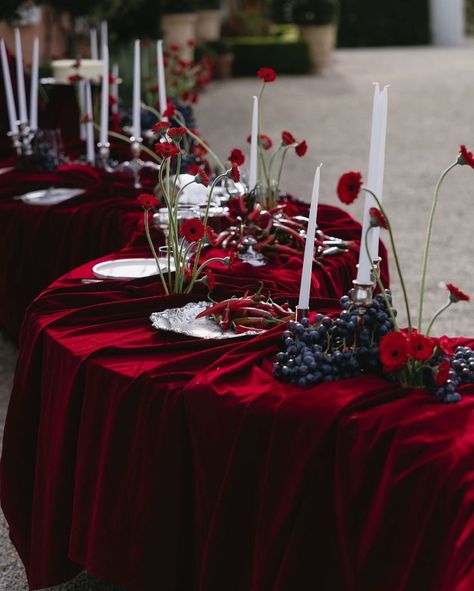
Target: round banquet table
[{"x": 159, "y": 461}]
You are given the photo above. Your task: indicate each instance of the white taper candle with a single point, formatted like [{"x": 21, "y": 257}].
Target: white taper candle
[
  {"x": 253, "y": 167},
  {"x": 7, "y": 82},
  {"x": 90, "y": 155},
  {"x": 136, "y": 91},
  {"x": 374, "y": 183},
  {"x": 94, "y": 47},
  {"x": 104, "y": 110},
  {"x": 104, "y": 37},
  {"x": 34, "y": 86},
  {"x": 161, "y": 79},
  {"x": 114, "y": 91},
  {"x": 307, "y": 272},
  {"x": 20, "y": 79}
]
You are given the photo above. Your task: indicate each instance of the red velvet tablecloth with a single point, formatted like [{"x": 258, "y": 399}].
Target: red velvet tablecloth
[{"x": 158, "y": 461}]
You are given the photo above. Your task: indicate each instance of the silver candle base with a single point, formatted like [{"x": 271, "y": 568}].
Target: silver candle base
[
  {"x": 104, "y": 155},
  {"x": 136, "y": 164}
]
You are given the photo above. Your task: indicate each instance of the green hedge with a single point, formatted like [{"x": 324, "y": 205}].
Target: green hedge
[
  {"x": 252, "y": 53},
  {"x": 365, "y": 23}
]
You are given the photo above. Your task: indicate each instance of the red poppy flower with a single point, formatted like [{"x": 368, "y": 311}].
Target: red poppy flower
[
  {"x": 192, "y": 230},
  {"x": 393, "y": 351},
  {"x": 419, "y": 346},
  {"x": 201, "y": 177},
  {"x": 377, "y": 219},
  {"x": 349, "y": 186},
  {"x": 287, "y": 138},
  {"x": 301, "y": 148},
  {"x": 170, "y": 110},
  {"x": 161, "y": 127},
  {"x": 465, "y": 157},
  {"x": 456, "y": 295},
  {"x": 176, "y": 133},
  {"x": 442, "y": 373},
  {"x": 445, "y": 345},
  {"x": 234, "y": 173},
  {"x": 74, "y": 78},
  {"x": 237, "y": 156},
  {"x": 267, "y": 74},
  {"x": 147, "y": 200},
  {"x": 166, "y": 149}
]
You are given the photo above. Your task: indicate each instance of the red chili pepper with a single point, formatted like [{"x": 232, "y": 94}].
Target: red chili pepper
[
  {"x": 282, "y": 249},
  {"x": 279, "y": 309},
  {"x": 250, "y": 311},
  {"x": 263, "y": 305},
  {"x": 255, "y": 213},
  {"x": 239, "y": 329},
  {"x": 220, "y": 238},
  {"x": 233, "y": 303},
  {"x": 242, "y": 207},
  {"x": 246, "y": 321},
  {"x": 291, "y": 223},
  {"x": 225, "y": 323},
  {"x": 298, "y": 237}
]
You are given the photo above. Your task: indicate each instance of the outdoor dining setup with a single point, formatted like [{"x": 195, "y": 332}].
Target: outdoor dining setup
[{"x": 215, "y": 387}]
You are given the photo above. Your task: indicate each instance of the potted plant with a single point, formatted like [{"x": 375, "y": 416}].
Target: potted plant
[
  {"x": 178, "y": 25},
  {"x": 209, "y": 18},
  {"x": 317, "y": 20}
]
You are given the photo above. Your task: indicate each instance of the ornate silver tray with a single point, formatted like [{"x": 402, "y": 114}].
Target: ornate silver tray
[{"x": 183, "y": 321}]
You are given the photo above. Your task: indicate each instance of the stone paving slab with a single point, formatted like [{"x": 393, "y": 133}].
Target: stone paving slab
[{"x": 430, "y": 114}]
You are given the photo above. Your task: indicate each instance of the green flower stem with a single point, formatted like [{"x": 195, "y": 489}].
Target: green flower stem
[
  {"x": 376, "y": 273},
  {"x": 124, "y": 138},
  {"x": 395, "y": 255},
  {"x": 428, "y": 242},
  {"x": 194, "y": 275},
  {"x": 282, "y": 162},
  {"x": 205, "y": 263},
  {"x": 435, "y": 317},
  {"x": 152, "y": 248}
]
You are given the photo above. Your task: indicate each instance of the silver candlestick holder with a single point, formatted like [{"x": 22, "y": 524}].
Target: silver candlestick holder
[
  {"x": 362, "y": 293},
  {"x": 15, "y": 138},
  {"x": 104, "y": 155},
  {"x": 136, "y": 164}
]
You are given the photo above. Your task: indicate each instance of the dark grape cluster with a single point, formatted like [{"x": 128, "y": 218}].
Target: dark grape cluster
[
  {"x": 332, "y": 349},
  {"x": 461, "y": 372}
]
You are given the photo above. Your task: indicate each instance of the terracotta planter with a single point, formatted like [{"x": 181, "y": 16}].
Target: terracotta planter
[
  {"x": 223, "y": 65},
  {"x": 208, "y": 25},
  {"x": 178, "y": 29},
  {"x": 321, "y": 40}
]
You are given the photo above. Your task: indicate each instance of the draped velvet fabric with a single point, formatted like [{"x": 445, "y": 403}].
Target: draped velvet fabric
[{"x": 158, "y": 461}]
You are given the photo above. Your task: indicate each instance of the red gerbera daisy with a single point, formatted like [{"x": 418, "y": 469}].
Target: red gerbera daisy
[
  {"x": 349, "y": 186},
  {"x": 170, "y": 110},
  {"x": 161, "y": 127},
  {"x": 267, "y": 74},
  {"x": 166, "y": 149},
  {"x": 147, "y": 201},
  {"x": 234, "y": 173},
  {"x": 177, "y": 133},
  {"x": 442, "y": 373},
  {"x": 201, "y": 177},
  {"x": 237, "y": 156},
  {"x": 465, "y": 157},
  {"x": 456, "y": 295},
  {"x": 301, "y": 148},
  {"x": 393, "y": 351},
  {"x": 192, "y": 230},
  {"x": 419, "y": 346},
  {"x": 377, "y": 219},
  {"x": 287, "y": 138}
]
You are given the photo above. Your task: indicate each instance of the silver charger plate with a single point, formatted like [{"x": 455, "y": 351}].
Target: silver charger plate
[
  {"x": 129, "y": 268},
  {"x": 50, "y": 196},
  {"x": 183, "y": 321}
]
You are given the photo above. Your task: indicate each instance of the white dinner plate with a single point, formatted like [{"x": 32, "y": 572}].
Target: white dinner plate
[
  {"x": 7, "y": 169},
  {"x": 128, "y": 268},
  {"x": 50, "y": 196}
]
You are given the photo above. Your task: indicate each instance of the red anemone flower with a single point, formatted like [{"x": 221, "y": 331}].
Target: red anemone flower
[
  {"x": 393, "y": 351},
  {"x": 301, "y": 148},
  {"x": 166, "y": 149},
  {"x": 237, "y": 156},
  {"x": 192, "y": 230},
  {"x": 456, "y": 295},
  {"x": 349, "y": 186},
  {"x": 465, "y": 157},
  {"x": 377, "y": 219},
  {"x": 147, "y": 201},
  {"x": 419, "y": 346},
  {"x": 267, "y": 74}
]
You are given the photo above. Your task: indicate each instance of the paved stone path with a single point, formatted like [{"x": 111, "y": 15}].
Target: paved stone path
[{"x": 430, "y": 114}]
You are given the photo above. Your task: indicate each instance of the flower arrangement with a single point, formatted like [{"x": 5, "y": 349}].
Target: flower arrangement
[
  {"x": 368, "y": 338},
  {"x": 180, "y": 268}
]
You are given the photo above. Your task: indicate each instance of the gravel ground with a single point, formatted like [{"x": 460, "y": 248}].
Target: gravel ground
[{"x": 429, "y": 116}]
